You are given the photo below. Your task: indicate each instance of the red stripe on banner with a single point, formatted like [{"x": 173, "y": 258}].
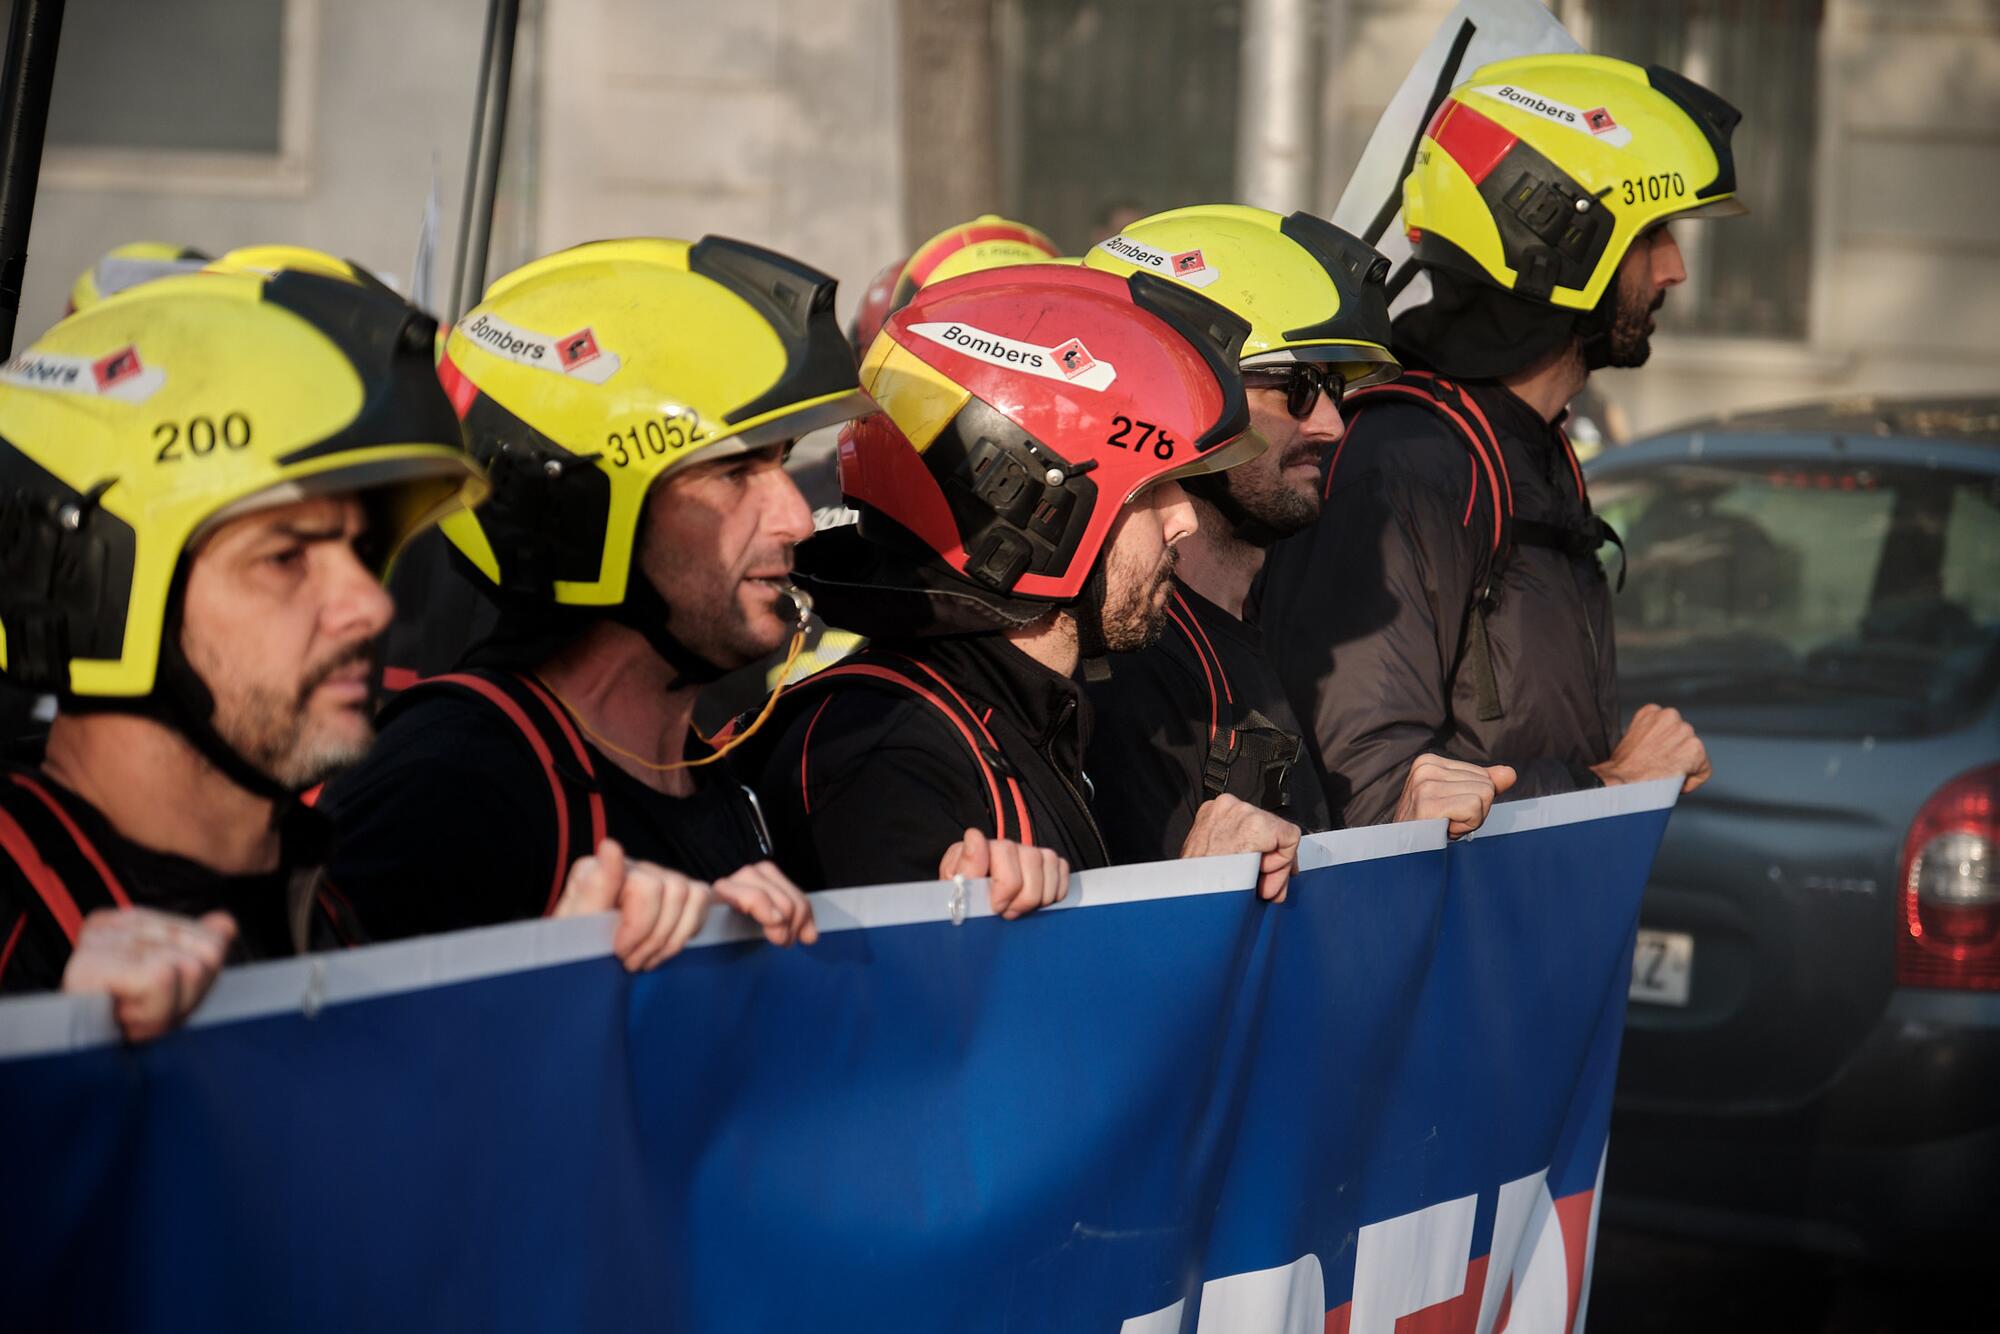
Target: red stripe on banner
[
  {"x": 1573, "y": 1217},
  {"x": 1460, "y": 1314},
  {"x": 1474, "y": 142}
]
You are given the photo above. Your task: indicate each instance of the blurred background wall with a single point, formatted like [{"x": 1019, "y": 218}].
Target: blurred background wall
[{"x": 846, "y": 130}]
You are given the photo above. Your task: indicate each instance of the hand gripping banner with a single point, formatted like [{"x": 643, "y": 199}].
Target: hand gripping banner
[{"x": 1162, "y": 1106}]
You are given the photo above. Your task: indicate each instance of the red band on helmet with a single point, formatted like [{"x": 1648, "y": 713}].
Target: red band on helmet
[
  {"x": 460, "y": 390},
  {"x": 1475, "y": 142},
  {"x": 925, "y": 262}
]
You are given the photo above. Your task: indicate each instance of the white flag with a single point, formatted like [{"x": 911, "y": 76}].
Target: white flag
[
  {"x": 423, "y": 269},
  {"x": 1475, "y": 33}
]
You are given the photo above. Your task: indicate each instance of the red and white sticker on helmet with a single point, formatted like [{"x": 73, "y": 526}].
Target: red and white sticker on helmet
[
  {"x": 1597, "y": 122},
  {"x": 1187, "y": 266},
  {"x": 120, "y": 375},
  {"x": 573, "y": 354},
  {"x": 1068, "y": 362}
]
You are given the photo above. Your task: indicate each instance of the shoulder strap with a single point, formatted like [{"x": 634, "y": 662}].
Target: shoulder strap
[
  {"x": 60, "y": 862},
  {"x": 550, "y": 734},
  {"x": 881, "y": 668},
  {"x": 1468, "y": 422},
  {"x": 1221, "y": 738}
]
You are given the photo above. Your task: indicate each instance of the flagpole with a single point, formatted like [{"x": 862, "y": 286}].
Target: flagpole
[
  {"x": 482, "y": 170},
  {"x": 24, "y": 101}
]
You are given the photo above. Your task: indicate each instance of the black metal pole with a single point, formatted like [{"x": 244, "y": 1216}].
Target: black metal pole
[
  {"x": 24, "y": 101},
  {"x": 489, "y": 137}
]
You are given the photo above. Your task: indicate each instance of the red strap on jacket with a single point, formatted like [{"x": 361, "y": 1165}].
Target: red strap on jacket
[
  {"x": 1485, "y": 448},
  {"x": 515, "y": 714},
  {"x": 48, "y": 886},
  {"x": 957, "y": 718},
  {"x": 83, "y": 843}
]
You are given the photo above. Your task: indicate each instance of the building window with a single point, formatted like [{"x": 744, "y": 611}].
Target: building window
[
  {"x": 203, "y": 95},
  {"x": 1748, "y": 277},
  {"x": 1110, "y": 106}
]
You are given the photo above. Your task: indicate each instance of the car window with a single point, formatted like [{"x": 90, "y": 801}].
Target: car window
[{"x": 1809, "y": 593}]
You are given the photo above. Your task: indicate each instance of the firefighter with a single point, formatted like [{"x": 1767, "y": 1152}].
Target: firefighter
[
  {"x": 1020, "y": 510},
  {"x": 1449, "y": 597}
]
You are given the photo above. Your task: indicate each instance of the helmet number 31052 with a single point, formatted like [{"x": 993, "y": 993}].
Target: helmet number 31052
[
  {"x": 656, "y": 438},
  {"x": 1150, "y": 435},
  {"x": 197, "y": 437}
]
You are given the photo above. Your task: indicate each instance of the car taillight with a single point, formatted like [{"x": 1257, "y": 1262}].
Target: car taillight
[{"x": 1951, "y": 888}]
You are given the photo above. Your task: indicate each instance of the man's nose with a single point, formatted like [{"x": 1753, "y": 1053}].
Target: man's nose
[
  {"x": 1177, "y": 516},
  {"x": 787, "y": 517},
  {"x": 1669, "y": 269}
]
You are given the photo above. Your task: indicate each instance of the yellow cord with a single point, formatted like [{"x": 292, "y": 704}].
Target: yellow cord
[{"x": 763, "y": 716}]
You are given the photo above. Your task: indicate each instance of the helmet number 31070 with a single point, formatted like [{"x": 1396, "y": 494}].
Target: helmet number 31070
[
  {"x": 1646, "y": 189},
  {"x": 197, "y": 437},
  {"x": 1161, "y": 443}
]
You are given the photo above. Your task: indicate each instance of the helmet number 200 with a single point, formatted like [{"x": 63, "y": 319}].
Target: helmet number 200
[
  {"x": 1161, "y": 443},
  {"x": 197, "y": 437}
]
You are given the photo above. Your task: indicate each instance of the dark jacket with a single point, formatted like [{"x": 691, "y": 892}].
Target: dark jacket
[
  {"x": 60, "y": 860},
  {"x": 869, "y": 783},
  {"x": 1200, "y": 712},
  {"x": 1367, "y": 613},
  {"x": 452, "y": 820}
]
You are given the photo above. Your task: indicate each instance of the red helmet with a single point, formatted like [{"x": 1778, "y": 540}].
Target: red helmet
[
  {"x": 874, "y": 307},
  {"x": 1023, "y": 407},
  {"x": 987, "y": 242}
]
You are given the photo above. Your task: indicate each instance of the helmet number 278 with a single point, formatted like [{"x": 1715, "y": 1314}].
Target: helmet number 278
[{"x": 1162, "y": 443}]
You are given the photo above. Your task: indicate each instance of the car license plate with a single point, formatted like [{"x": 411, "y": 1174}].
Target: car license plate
[{"x": 1662, "y": 966}]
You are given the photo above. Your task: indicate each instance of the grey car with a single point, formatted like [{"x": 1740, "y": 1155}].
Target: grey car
[{"x": 1812, "y": 1055}]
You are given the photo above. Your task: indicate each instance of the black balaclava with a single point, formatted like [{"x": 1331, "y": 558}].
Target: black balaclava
[{"x": 1471, "y": 330}]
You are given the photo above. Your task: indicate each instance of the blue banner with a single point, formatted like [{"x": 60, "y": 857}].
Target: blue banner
[{"x": 1164, "y": 1105}]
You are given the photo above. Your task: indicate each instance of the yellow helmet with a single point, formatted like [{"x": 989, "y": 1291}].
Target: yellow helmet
[
  {"x": 586, "y": 376},
  {"x": 1538, "y": 173},
  {"x": 269, "y": 259},
  {"x": 131, "y": 427},
  {"x": 129, "y": 265},
  {"x": 1310, "y": 291},
  {"x": 989, "y": 241}
]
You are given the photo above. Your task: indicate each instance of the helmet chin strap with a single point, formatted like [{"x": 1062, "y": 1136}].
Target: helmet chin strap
[
  {"x": 1593, "y": 327},
  {"x": 1093, "y": 653}
]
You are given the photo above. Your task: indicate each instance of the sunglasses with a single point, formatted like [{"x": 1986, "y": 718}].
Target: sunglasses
[{"x": 1303, "y": 383}]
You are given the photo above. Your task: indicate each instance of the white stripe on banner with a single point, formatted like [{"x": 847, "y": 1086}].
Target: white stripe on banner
[{"x": 45, "y": 1025}]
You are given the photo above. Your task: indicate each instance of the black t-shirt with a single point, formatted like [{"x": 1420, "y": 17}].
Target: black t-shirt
[
  {"x": 34, "y": 948},
  {"x": 450, "y": 823},
  {"x": 1151, "y": 739}
]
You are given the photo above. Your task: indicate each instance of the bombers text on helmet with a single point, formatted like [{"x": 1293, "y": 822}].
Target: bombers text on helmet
[
  {"x": 586, "y": 376},
  {"x": 1023, "y": 407},
  {"x": 989, "y": 241},
  {"x": 1310, "y": 291},
  {"x": 130, "y": 428},
  {"x": 1537, "y": 174}
]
